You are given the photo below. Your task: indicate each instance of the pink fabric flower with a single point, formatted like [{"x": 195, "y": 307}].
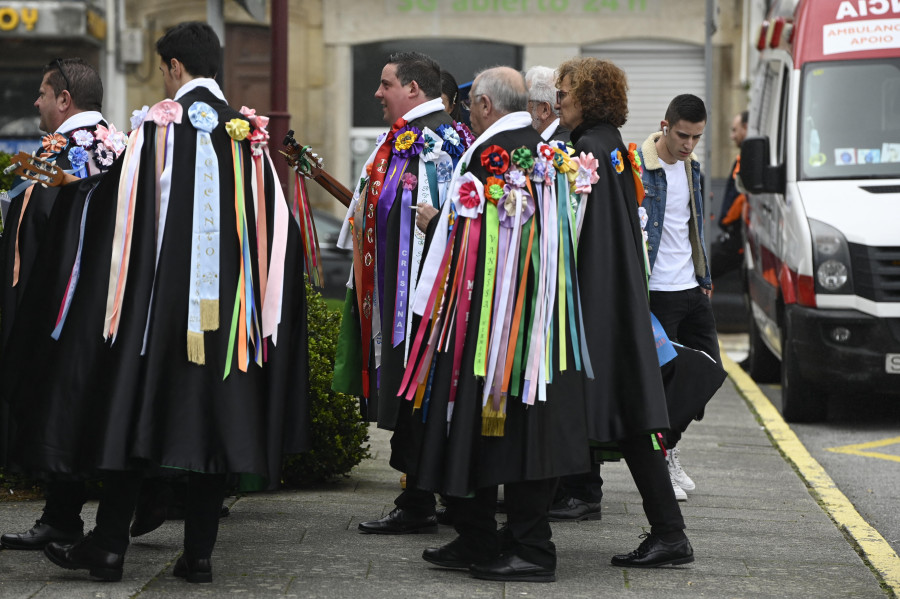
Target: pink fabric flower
[
  {"x": 409, "y": 181},
  {"x": 468, "y": 195},
  {"x": 111, "y": 138},
  {"x": 165, "y": 112},
  {"x": 587, "y": 172}
]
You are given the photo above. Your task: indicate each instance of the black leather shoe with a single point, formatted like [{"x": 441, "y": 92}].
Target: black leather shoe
[
  {"x": 38, "y": 537},
  {"x": 654, "y": 552},
  {"x": 84, "y": 555},
  {"x": 193, "y": 569},
  {"x": 454, "y": 555},
  {"x": 509, "y": 567},
  {"x": 570, "y": 509},
  {"x": 399, "y": 522},
  {"x": 444, "y": 516}
]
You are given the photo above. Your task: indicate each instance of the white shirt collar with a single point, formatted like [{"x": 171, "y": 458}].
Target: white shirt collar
[
  {"x": 206, "y": 82},
  {"x": 550, "y": 130},
  {"x": 88, "y": 118},
  {"x": 423, "y": 109}
]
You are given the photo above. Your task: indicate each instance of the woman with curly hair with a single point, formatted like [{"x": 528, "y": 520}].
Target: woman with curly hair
[{"x": 626, "y": 403}]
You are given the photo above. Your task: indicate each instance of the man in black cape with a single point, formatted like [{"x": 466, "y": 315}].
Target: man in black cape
[{"x": 165, "y": 354}]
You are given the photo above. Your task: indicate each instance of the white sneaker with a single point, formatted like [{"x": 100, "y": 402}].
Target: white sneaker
[
  {"x": 677, "y": 472},
  {"x": 680, "y": 495}
]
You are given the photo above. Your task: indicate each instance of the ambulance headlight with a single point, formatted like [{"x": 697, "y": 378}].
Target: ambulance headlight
[
  {"x": 832, "y": 275},
  {"x": 831, "y": 259}
]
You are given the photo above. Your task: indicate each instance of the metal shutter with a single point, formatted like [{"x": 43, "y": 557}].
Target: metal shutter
[{"x": 657, "y": 72}]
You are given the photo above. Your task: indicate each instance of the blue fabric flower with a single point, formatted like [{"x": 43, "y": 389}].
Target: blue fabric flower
[
  {"x": 203, "y": 116},
  {"x": 444, "y": 170},
  {"x": 454, "y": 146},
  {"x": 78, "y": 156}
]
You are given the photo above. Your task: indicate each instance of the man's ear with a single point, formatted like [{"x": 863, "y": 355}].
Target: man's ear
[
  {"x": 547, "y": 111},
  {"x": 64, "y": 100},
  {"x": 414, "y": 89}
]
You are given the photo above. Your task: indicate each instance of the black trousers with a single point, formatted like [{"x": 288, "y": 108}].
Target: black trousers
[
  {"x": 687, "y": 317},
  {"x": 651, "y": 475},
  {"x": 587, "y": 486},
  {"x": 64, "y": 500},
  {"x": 201, "y": 520},
  {"x": 527, "y": 504}
]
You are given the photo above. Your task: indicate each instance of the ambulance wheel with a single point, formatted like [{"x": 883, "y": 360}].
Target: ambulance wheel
[
  {"x": 762, "y": 365},
  {"x": 801, "y": 401}
]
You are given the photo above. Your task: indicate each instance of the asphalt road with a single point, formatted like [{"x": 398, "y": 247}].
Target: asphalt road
[{"x": 859, "y": 446}]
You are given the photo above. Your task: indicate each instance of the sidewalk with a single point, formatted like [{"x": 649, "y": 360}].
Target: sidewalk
[{"x": 755, "y": 528}]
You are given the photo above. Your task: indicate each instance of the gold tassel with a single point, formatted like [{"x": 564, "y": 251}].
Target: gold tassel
[
  {"x": 196, "y": 352},
  {"x": 209, "y": 315},
  {"x": 493, "y": 421}
]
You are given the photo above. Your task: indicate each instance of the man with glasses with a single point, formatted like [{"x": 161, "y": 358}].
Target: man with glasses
[
  {"x": 69, "y": 102},
  {"x": 542, "y": 94}
]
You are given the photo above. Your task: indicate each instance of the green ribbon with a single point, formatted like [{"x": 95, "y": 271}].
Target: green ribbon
[
  {"x": 524, "y": 323},
  {"x": 492, "y": 234}
]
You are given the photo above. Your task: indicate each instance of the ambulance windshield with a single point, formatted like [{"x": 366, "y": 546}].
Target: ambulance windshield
[{"x": 850, "y": 120}]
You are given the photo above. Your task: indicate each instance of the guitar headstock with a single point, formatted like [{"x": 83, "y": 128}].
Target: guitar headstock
[
  {"x": 301, "y": 158},
  {"x": 37, "y": 169}
]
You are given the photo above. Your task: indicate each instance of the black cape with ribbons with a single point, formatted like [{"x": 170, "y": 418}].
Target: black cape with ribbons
[{"x": 84, "y": 404}]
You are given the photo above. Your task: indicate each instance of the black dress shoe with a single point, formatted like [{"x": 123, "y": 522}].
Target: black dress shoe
[
  {"x": 444, "y": 516},
  {"x": 654, "y": 552},
  {"x": 454, "y": 555},
  {"x": 399, "y": 522},
  {"x": 570, "y": 509},
  {"x": 509, "y": 567},
  {"x": 38, "y": 537},
  {"x": 84, "y": 555},
  {"x": 193, "y": 569}
]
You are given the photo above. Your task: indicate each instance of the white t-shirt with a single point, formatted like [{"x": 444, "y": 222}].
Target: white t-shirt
[{"x": 673, "y": 269}]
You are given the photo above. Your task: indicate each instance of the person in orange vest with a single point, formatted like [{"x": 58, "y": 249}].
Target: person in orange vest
[{"x": 727, "y": 250}]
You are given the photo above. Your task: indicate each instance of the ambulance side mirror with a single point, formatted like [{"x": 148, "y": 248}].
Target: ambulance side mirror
[{"x": 757, "y": 175}]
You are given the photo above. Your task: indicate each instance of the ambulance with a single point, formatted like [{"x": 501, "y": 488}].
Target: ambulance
[{"x": 821, "y": 165}]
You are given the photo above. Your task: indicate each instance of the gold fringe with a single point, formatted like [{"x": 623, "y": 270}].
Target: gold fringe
[
  {"x": 196, "y": 352},
  {"x": 209, "y": 315},
  {"x": 493, "y": 422}
]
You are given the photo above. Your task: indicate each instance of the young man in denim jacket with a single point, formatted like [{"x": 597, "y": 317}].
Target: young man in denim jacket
[{"x": 680, "y": 284}]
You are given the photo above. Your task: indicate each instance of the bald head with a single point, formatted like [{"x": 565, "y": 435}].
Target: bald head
[{"x": 495, "y": 93}]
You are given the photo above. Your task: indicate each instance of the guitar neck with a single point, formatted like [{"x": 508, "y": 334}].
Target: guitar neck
[{"x": 334, "y": 187}]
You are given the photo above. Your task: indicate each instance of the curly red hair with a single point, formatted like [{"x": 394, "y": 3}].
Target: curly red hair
[{"x": 599, "y": 87}]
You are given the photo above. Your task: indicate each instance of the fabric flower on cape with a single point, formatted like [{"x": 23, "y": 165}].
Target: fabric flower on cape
[
  {"x": 259, "y": 139},
  {"x": 495, "y": 160},
  {"x": 203, "y": 116},
  {"x": 78, "y": 156},
  {"x": 111, "y": 138},
  {"x": 54, "y": 143},
  {"x": 546, "y": 151},
  {"x": 467, "y": 195},
  {"x": 256, "y": 120},
  {"x": 493, "y": 189},
  {"x": 615, "y": 157},
  {"x": 516, "y": 178},
  {"x": 509, "y": 206},
  {"x": 409, "y": 181},
  {"x": 454, "y": 146},
  {"x": 444, "y": 171},
  {"x": 165, "y": 112},
  {"x": 237, "y": 129},
  {"x": 432, "y": 145},
  {"x": 586, "y": 175},
  {"x": 138, "y": 117},
  {"x": 564, "y": 163},
  {"x": 523, "y": 158},
  {"x": 83, "y": 138},
  {"x": 104, "y": 157},
  {"x": 408, "y": 142},
  {"x": 465, "y": 135}
]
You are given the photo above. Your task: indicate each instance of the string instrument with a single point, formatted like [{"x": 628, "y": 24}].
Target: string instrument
[
  {"x": 38, "y": 169},
  {"x": 308, "y": 164}
]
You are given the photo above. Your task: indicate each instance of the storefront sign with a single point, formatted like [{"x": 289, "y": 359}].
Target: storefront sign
[{"x": 52, "y": 19}]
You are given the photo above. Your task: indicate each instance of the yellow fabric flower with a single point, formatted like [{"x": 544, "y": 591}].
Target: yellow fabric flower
[
  {"x": 405, "y": 140},
  {"x": 238, "y": 129}
]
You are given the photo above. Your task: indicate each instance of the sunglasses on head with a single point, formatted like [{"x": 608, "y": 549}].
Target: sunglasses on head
[{"x": 59, "y": 67}]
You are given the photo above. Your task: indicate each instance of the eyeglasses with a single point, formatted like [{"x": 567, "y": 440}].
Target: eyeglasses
[
  {"x": 560, "y": 94},
  {"x": 59, "y": 66},
  {"x": 467, "y": 103}
]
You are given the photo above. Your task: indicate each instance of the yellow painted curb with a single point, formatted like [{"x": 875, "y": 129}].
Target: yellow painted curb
[{"x": 874, "y": 548}]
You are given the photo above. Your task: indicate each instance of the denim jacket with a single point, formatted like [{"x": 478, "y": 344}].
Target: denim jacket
[{"x": 654, "y": 180}]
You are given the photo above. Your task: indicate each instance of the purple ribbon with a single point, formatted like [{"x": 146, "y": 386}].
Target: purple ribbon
[
  {"x": 385, "y": 201},
  {"x": 401, "y": 298}
]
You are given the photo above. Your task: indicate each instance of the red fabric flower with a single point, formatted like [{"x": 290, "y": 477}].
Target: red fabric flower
[
  {"x": 495, "y": 160},
  {"x": 468, "y": 195}
]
